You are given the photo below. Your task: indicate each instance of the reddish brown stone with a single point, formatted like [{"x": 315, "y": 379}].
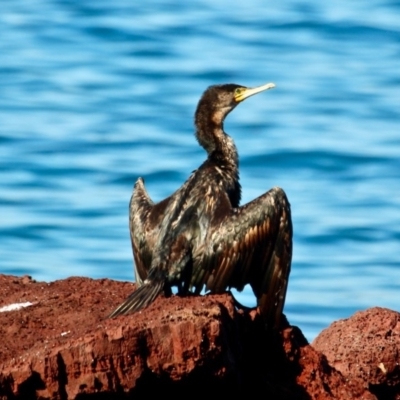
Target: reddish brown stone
[
  {"x": 320, "y": 380},
  {"x": 62, "y": 347},
  {"x": 366, "y": 347}
]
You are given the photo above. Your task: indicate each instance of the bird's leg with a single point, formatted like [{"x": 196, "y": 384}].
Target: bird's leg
[
  {"x": 167, "y": 291},
  {"x": 180, "y": 265}
]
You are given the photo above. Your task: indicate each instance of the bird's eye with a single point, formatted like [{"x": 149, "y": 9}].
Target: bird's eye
[{"x": 238, "y": 91}]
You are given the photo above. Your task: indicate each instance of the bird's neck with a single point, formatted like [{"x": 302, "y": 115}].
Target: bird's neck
[
  {"x": 220, "y": 146},
  {"x": 223, "y": 157}
]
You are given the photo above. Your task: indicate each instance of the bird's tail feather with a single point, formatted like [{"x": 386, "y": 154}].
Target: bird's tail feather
[{"x": 141, "y": 297}]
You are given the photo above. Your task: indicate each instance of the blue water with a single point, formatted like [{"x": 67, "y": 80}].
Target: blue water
[{"x": 94, "y": 94}]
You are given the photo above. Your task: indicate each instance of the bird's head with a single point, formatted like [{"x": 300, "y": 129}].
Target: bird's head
[
  {"x": 215, "y": 104},
  {"x": 219, "y": 100}
]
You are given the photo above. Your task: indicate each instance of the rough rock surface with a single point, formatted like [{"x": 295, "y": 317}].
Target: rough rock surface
[
  {"x": 366, "y": 347},
  {"x": 62, "y": 347}
]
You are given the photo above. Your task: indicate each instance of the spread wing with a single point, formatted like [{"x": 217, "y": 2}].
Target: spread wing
[
  {"x": 144, "y": 221},
  {"x": 252, "y": 245}
]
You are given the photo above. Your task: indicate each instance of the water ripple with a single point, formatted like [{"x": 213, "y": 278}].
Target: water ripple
[{"x": 96, "y": 94}]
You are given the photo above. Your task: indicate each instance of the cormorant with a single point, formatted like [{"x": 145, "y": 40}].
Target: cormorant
[{"x": 200, "y": 236}]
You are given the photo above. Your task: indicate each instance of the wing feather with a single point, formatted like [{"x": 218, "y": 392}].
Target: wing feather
[
  {"x": 251, "y": 245},
  {"x": 144, "y": 223}
]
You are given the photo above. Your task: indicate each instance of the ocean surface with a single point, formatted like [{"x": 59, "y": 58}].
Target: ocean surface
[{"x": 95, "y": 94}]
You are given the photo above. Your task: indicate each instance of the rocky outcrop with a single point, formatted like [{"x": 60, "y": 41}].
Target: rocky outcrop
[
  {"x": 366, "y": 347},
  {"x": 61, "y": 346}
]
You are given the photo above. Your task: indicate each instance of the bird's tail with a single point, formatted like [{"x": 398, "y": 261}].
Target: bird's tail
[{"x": 143, "y": 296}]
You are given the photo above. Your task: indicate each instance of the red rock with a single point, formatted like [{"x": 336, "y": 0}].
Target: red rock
[
  {"x": 366, "y": 347},
  {"x": 62, "y": 347},
  {"x": 319, "y": 379}
]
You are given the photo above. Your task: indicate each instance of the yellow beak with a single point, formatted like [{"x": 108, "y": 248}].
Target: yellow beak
[{"x": 243, "y": 93}]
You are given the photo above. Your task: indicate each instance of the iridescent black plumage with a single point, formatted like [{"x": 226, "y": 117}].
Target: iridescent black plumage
[{"x": 200, "y": 237}]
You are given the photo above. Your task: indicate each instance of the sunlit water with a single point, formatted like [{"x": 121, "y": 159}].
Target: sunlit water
[{"x": 96, "y": 94}]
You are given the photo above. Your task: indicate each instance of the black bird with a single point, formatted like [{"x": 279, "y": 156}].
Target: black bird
[{"x": 200, "y": 236}]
